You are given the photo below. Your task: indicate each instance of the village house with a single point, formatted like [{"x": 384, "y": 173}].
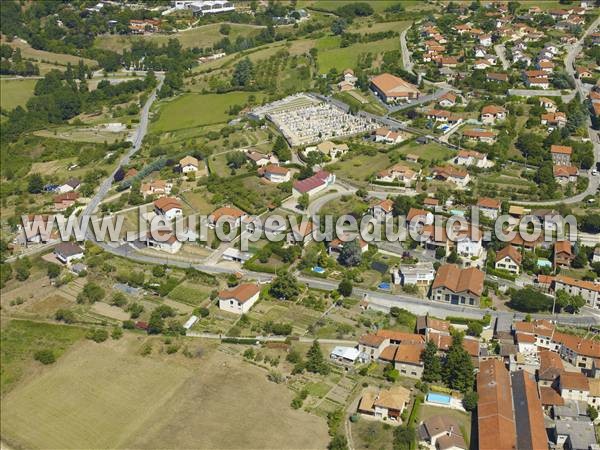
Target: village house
[
  {"x": 589, "y": 290},
  {"x": 66, "y": 200},
  {"x": 430, "y": 203},
  {"x": 392, "y": 89},
  {"x": 168, "y": 207},
  {"x": 442, "y": 432},
  {"x": 416, "y": 218},
  {"x": 574, "y": 386},
  {"x": 397, "y": 173},
  {"x": 383, "y": 210},
  {"x": 489, "y": 207},
  {"x": 439, "y": 115},
  {"x": 420, "y": 274},
  {"x": 240, "y": 299},
  {"x": 67, "y": 252},
  {"x": 468, "y": 242},
  {"x": 555, "y": 119},
  {"x": 561, "y": 155},
  {"x": 276, "y": 174},
  {"x": 457, "y": 286},
  {"x": 386, "y": 136},
  {"x": 497, "y": 77},
  {"x": 551, "y": 367},
  {"x": 337, "y": 245},
  {"x": 163, "y": 239},
  {"x": 385, "y": 404},
  {"x": 229, "y": 214},
  {"x": 448, "y": 61},
  {"x": 485, "y": 40},
  {"x": 565, "y": 174},
  {"x": 563, "y": 254},
  {"x": 448, "y": 100},
  {"x": 313, "y": 185},
  {"x": 548, "y": 104},
  {"x": 583, "y": 72},
  {"x": 477, "y": 134},
  {"x": 301, "y": 234},
  {"x": 546, "y": 66},
  {"x": 70, "y": 186},
  {"x": 144, "y": 26},
  {"x": 491, "y": 114},
  {"x": 471, "y": 158},
  {"x": 371, "y": 346},
  {"x": 156, "y": 187},
  {"x": 481, "y": 64},
  {"x": 452, "y": 174},
  {"x": 406, "y": 358},
  {"x": 509, "y": 259},
  {"x": 189, "y": 164},
  {"x": 260, "y": 159},
  {"x": 332, "y": 150}
]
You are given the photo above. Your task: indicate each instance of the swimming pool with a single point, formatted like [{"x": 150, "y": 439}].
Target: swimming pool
[
  {"x": 441, "y": 399},
  {"x": 318, "y": 269}
]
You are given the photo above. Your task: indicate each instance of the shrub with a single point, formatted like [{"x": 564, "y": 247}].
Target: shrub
[
  {"x": 44, "y": 356},
  {"x": 97, "y": 335}
]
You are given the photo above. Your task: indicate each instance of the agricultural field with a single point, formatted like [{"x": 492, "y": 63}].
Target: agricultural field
[
  {"x": 378, "y": 6},
  {"x": 15, "y": 93},
  {"x": 202, "y": 37},
  {"x": 427, "y": 152},
  {"x": 353, "y": 168},
  {"x": 330, "y": 56},
  {"x": 195, "y": 110},
  {"x": 42, "y": 56},
  {"x": 191, "y": 293}
]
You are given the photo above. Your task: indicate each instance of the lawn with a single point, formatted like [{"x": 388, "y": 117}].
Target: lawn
[
  {"x": 361, "y": 167},
  {"x": 378, "y": 27},
  {"x": 463, "y": 419},
  {"x": 48, "y": 57},
  {"x": 378, "y": 6},
  {"x": 331, "y": 56},
  {"x": 195, "y": 110},
  {"x": 428, "y": 152},
  {"x": 15, "y": 93},
  {"x": 21, "y": 339},
  {"x": 372, "y": 434},
  {"x": 201, "y": 37},
  {"x": 191, "y": 293}
]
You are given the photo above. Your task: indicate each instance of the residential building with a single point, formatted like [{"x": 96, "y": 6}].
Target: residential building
[
  {"x": 575, "y": 434},
  {"x": 71, "y": 185},
  {"x": 452, "y": 174},
  {"x": 563, "y": 254},
  {"x": 551, "y": 368},
  {"x": 301, "y": 234},
  {"x": 457, "y": 286},
  {"x": 313, "y": 185},
  {"x": 387, "y": 136},
  {"x": 276, "y": 174},
  {"x": 497, "y": 77},
  {"x": 556, "y": 119},
  {"x": 478, "y": 134},
  {"x": 416, "y": 218},
  {"x": 383, "y": 210},
  {"x": 203, "y": 7},
  {"x": 163, "y": 239},
  {"x": 448, "y": 100},
  {"x": 509, "y": 259},
  {"x": 144, "y": 26},
  {"x": 565, "y": 174},
  {"x": 489, "y": 207},
  {"x": 574, "y": 386},
  {"x": 337, "y": 244},
  {"x": 406, "y": 358},
  {"x": 392, "y": 89},
  {"x": 561, "y": 155},
  {"x": 528, "y": 415},
  {"x": 385, "y": 404},
  {"x": 261, "y": 159},
  {"x": 491, "y": 114},
  {"x": 240, "y": 299},
  {"x": 421, "y": 274},
  {"x": 439, "y": 115},
  {"x": 168, "y": 207},
  {"x": 442, "y": 432},
  {"x": 346, "y": 356},
  {"x": 67, "y": 252},
  {"x": 496, "y": 427},
  {"x": 589, "y": 290},
  {"x": 66, "y": 200},
  {"x": 229, "y": 214},
  {"x": 332, "y": 150},
  {"x": 468, "y": 241},
  {"x": 427, "y": 324},
  {"x": 548, "y": 104},
  {"x": 471, "y": 158},
  {"x": 397, "y": 173},
  {"x": 156, "y": 187},
  {"x": 189, "y": 164},
  {"x": 371, "y": 346}
]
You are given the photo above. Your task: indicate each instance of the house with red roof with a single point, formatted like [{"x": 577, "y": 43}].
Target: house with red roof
[{"x": 313, "y": 185}]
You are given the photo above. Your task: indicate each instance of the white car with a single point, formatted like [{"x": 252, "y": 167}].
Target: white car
[{"x": 594, "y": 172}]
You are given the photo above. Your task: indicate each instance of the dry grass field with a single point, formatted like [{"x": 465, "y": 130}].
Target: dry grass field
[{"x": 108, "y": 396}]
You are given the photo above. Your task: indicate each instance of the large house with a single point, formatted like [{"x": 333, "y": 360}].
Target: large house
[
  {"x": 67, "y": 252},
  {"x": 240, "y": 299},
  {"x": 168, "y": 207},
  {"x": 555, "y": 119},
  {"x": 476, "y": 134},
  {"x": 561, "y": 155},
  {"x": 442, "y": 432},
  {"x": 563, "y": 254},
  {"x": 509, "y": 259},
  {"x": 313, "y": 185},
  {"x": 276, "y": 174},
  {"x": 565, "y": 174},
  {"x": 392, "y": 89},
  {"x": 589, "y": 290},
  {"x": 397, "y": 173},
  {"x": 489, "y": 207},
  {"x": 156, "y": 187},
  {"x": 491, "y": 114},
  {"x": 406, "y": 358},
  {"x": 385, "y": 404},
  {"x": 457, "y": 286},
  {"x": 383, "y": 210},
  {"x": 452, "y": 174},
  {"x": 189, "y": 164},
  {"x": 471, "y": 158},
  {"x": 163, "y": 239}
]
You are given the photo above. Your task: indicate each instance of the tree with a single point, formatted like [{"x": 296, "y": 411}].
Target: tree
[
  {"x": 281, "y": 149},
  {"x": 119, "y": 299},
  {"x": 338, "y": 442},
  {"x": 236, "y": 159},
  {"x": 36, "y": 184},
  {"x": 315, "y": 362},
  {"x": 404, "y": 437},
  {"x": 303, "y": 201},
  {"x": 284, "y": 286},
  {"x": 345, "y": 287},
  {"x": 474, "y": 328},
  {"x": 529, "y": 300},
  {"x": 225, "y": 29},
  {"x": 53, "y": 270},
  {"x": 592, "y": 412},
  {"x": 44, "y": 356},
  {"x": 432, "y": 370},
  {"x": 440, "y": 252},
  {"x": 351, "y": 254},
  {"x": 338, "y": 26},
  {"x": 458, "y": 369},
  {"x": 390, "y": 373},
  {"x": 64, "y": 315},
  {"x": 91, "y": 293},
  {"x": 97, "y": 335},
  {"x": 470, "y": 400},
  {"x": 117, "y": 333},
  {"x": 242, "y": 74}
]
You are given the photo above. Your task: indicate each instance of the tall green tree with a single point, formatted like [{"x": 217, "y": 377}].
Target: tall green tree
[
  {"x": 315, "y": 362},
  {"x": 432, "y": 371},
  {"x": 458, "y": 370}
]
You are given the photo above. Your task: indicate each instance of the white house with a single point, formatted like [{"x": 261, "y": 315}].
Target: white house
[
  {"x": 509, "y": 259},
  {"x": 574, "y": 386},
  {"x": 469, "y": 242},
  {"x": 398, "y": 172},
  {"x": 66, "y": 252},
  {"x": 492, "y": 113},
  {"x": 383, "y": 210},
  {"x": 261, "y": 159},
  {"x": 421, "y": 274},
  {"x": 189, "y": 164},
  {"x": 313, "y": 185},
  {"x": 386, "y": 136},
  {"x": 328, "y": 148},
  {"x": 277, "y": 174},
  {"x": 240, "y": 299},
  {"x": 71, "y": 185},
  {"x": 471, "y": 158},
  {"x": 489, "y": 207},
  {"x": 230, "y": 213},
  {"x": 448, "y": 100},
  {"x": 344, "y": 355},
  {"x": 168, "y": 207},
  {"x": 163, "y": 239}
]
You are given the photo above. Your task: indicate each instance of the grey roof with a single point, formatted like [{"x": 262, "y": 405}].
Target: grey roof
[
  {"x": 580, "y": 433},
  {"x": 571, "y": 409},
  {"x": 67, "y": 249},
  {"x": 503, "y": 323}
]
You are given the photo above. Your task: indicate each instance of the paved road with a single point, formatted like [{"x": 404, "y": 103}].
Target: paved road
[
  {"x": 137, "y": 143},
  {"x": 406, "y": 61},
  {"x": 420, "y": 101},
  {"x": 271, "y": 338},
  {"x": 574, "y": 50},
  {"x": 501, "y": 52}
]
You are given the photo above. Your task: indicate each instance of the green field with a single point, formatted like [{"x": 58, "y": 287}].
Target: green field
[
  {"x": 21, "y": 339},
  {"x": 196, "y": 110},
  {"x": 378, "y": 6},
  {"x": 361, "y": 167},
  {"x": 428, "y": 152},
  {"x": 191, "y": 293},
  {"x": 15, "y": 93},
  {"x": 201, "y": 37},
  {"x": 331, "y": 56}
]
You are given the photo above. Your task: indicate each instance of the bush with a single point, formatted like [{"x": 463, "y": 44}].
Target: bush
[
  {"x": 65, "y": 315},
  {"x": 97, "y": 335},
  {"x": 44, "y": 356},
  {"x": 128, "y": 324},
  {"x": 470, "y": 401}
]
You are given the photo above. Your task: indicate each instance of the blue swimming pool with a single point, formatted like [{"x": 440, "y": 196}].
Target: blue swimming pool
[
  {"x": 441, "y": 399},
  {"x": 318, "y": 269}
]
